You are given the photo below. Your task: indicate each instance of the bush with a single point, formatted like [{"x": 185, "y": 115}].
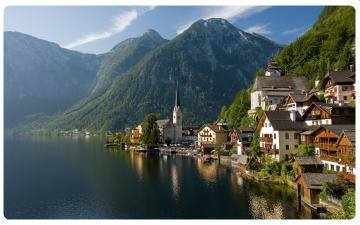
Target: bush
[
  {"x": 306, "y": 150},
  {"x": 348, "y": 207}
]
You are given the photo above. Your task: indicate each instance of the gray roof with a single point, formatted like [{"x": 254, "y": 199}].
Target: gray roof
[
  {"x": 162, "y": 123},
  {"x": 316, "y": 180},
  {"x": 351, "y": 135},
  {"x": 340, "y": 77},
  {"x": 280, "y": 120},
  {"x": 338, "y": 128},
  {"x": 274, "y": 82},
  {"x": 308, "y": 160}
]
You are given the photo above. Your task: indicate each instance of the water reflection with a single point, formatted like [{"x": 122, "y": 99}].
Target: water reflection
[
  {"x": 261, "y": 208},
  {"x": 175, "y": 182}
]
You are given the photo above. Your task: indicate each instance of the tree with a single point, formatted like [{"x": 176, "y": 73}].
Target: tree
[
  {"x": 306, "y": 150},
  {"x": 218, "y": 151},
  {"x": 348, "y": 206},
  {"x": 167, "y": 140},
  {"x": 151, "y": 132}
]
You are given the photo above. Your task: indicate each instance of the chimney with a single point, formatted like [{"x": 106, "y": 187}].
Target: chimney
[{"x": 293, "y": 115}]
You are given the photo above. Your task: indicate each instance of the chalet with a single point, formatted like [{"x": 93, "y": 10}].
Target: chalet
[
  {"x": 279, "y": 133},
  {"x": 270, "y": 90},
  {"x": 241, "y": 137},
  {"x": 346, "y": 153},
  {"x": 309, "y": 186},
  {"x": 212, "y": 134},
  {"x": 326, "y": 145},
  {"x": 320, "y": 113},
  {"x": 339, "y": 86},
  {"x": 299, "y": 101},
  {"x": 308, "y": 164}
]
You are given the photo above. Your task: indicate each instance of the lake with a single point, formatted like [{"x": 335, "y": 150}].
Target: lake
[{"x": 65, "y": 177}]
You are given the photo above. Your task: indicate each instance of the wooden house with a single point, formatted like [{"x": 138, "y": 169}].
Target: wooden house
[
  {"x": 309, "y": 186},
  {"x": 320, "y": 113},
  {"x": 308, "y": 164},
  {"x": 339, "y": 86}
]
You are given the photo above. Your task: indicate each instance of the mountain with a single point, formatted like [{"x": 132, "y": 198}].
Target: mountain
[
  {"x": 329, "y": 43},
  {"x": 123, "y": 56},
  {"x": 41, "y": 78},
  {"x": 211, "y": 60}
]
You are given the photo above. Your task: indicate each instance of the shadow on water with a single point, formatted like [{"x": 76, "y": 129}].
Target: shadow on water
[{"x": 66, "y": 177}]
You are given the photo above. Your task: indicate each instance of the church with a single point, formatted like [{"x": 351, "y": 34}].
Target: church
[{"x": 172, "y": 128}]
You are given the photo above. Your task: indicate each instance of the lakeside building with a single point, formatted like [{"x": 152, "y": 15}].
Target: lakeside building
[
  {"x": 335, "y": 146},
  {"x": 320, "y": 113},
  {"x": 339, "y": 86},
  {"x": 307, "y": 164},
  {"x": 241, "y": 138},
  {"x": 270, "y": 90},
  {"x": 310, "y": 185},
  {"x": 211, "y": 136},
  {"x": 280, "y": 133}
]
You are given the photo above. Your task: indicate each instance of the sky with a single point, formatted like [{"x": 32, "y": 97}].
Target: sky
[{"x": 96, "y": 29}]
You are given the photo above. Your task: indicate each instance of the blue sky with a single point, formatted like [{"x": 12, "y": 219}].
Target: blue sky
[{"x": 95, "y": 29}]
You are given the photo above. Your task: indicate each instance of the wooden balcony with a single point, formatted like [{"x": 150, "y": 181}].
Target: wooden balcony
[
  {"x": 269, "y": 150},
  {"x": 313, "y": 117},
  {"x": 266, "y": 139},
  {"x": 326, "y": 146}
]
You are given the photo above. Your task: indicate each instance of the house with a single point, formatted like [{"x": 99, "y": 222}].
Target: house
[
  {"x": 273, "y": 69},
  {"x": 299, "y": 101},
  {"x": 212, "y": 136},
  {"x": 136, "y": 133},
  {"x": 241, "y": 137},
  {"x": 339, "y": 86},
  {"x": 269, "y": 91},
  {"x": 307, "y": 164},
  {"x": 279, "y": 133},
  {"x": 320, "y": 113},
  {"x": 326, "y": 146},
  {"x": 346, "y": 153},
  {"x": 309, "y": 186}
]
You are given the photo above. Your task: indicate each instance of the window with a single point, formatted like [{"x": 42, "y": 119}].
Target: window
[
  {"x": 296, "y": 136},
  {"x": 338, "y": 168},
  {"x": 345, "y": 98},
  {"x": 296, "y": 146},
  {"x": 332, "y": 167},
  {"x": 287, "y": 136},
  {"x": 345, "y": 88},
  {"x": 274, "y": 136},
  {"x": 287, "y": 147}
]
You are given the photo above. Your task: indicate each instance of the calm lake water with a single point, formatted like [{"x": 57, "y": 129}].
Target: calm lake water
[{"x": 66, "y": 177}]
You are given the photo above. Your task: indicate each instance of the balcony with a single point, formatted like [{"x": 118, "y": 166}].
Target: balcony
[
  {"x": 269, "y": 150},
  {"x": 266, "y": 139},
  {"x": 313, "y": 117},
  {"x": 326, "y": 146}
]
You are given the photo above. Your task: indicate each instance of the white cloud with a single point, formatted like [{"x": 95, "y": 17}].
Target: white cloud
[
  {"x": 298, "y": 30},
  {"x": 259, "y": 29},
  {"x": 119, "y": 23},
  {"x": 225, "y": 12}
]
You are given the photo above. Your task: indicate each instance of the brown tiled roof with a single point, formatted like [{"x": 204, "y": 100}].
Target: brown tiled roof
[
  {"x": 274, "y": 82},
  {"x": 316, "y": 180},
  {"x": 308, "y": 160},
  {"x": 280, "y": 120}
]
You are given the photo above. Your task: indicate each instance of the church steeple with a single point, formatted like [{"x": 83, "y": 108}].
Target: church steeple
[{"x": 177, "y": 97}]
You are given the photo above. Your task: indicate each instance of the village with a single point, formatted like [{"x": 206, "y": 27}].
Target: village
[{"x": 303, "y": 138}]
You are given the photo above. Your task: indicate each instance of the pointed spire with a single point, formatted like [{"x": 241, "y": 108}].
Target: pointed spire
[{"x": 177, "y": 97}]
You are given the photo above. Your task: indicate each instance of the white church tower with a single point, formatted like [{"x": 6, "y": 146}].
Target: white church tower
[{"x": 177, "y": 118}]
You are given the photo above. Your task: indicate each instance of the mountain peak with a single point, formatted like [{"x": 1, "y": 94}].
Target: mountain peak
[{"x": 153, "y": 34}]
